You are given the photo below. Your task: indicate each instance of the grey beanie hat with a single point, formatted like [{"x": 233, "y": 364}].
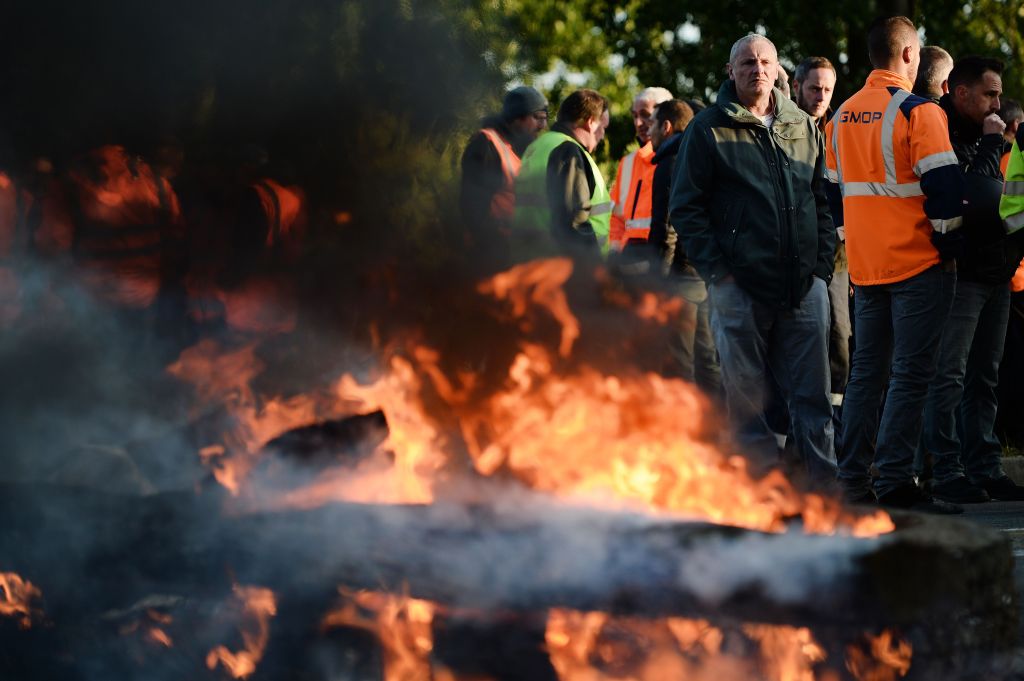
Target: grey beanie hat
[{"x": 522, "y": 101}]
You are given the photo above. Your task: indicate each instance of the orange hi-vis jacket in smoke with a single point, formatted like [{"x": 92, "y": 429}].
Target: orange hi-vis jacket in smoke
[
  {"x": 889, "y": 151},
  {"x": 126, "y": 218},
  {"x": 10, "y": 249},
  {"x": 32, "y": 223},
  {"x": 631, "y": 215},
  {"x": 503, "y": 205},
  {"x": 259, "y": 301}
]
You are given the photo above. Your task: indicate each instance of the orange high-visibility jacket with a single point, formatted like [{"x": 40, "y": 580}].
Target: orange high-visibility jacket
[
  {"x": 1004, "y": 162},
  {"x": 10, "y": 304},
  {"x": 285, "y": 211},
  {"x": 889, "y": 151},
  {"x": 631, "y": 192},
  {"x": 503, "y": 205},
  {"x": 125, "y": 218}
]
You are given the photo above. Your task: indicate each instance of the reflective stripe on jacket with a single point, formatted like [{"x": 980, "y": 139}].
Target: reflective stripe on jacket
[
  {"x": 631, "y": 191},
  {"x": 890, "y": 153},
  {"x": 504, "y": 202},
  {"x": 1011, "y": 203},
  {"x": 125, "y": 216},
  {"x": 533, "y": 225}
]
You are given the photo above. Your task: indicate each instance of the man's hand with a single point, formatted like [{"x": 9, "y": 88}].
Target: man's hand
[{"x": 993, "y": 125}]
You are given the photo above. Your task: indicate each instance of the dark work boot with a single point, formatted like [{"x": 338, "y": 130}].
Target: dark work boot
[
  {"x": 1002, "y": 489},
  {"x": 960, "y": 491},
  {"x": 911, "y": 497}
]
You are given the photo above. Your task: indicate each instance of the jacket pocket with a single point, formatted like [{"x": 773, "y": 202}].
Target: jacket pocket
[{"x": 731, "y": 230}]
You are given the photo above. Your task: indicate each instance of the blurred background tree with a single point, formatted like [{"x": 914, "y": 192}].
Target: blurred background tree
[{"x": 368, "y": 103}]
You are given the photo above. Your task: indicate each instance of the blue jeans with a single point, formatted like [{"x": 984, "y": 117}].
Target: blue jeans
[
  {"x": 753, "y": 339},
  {"x": 966, "y": 380},
  {"x": 898, "y": 328}
]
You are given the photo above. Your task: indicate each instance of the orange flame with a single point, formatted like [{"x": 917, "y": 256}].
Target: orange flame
[
  {"x": 16, "y": 596},
  {"x": 596, "y": 647},
  {"x": 537, "y": 283},
  {"x": 259, "y": 606},
  {"x": 887, "y": 658},
  {"x": 401, "y": 624}
]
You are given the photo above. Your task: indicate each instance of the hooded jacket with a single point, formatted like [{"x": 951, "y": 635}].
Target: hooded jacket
[{"x": 749, "y": 201}]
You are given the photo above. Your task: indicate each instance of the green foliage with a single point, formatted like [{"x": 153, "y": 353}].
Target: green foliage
[{"x": 615, "y": 46}]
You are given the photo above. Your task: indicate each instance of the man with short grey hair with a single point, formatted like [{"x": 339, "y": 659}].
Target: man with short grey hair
[
  {"x": 748, "y": 201},
  {"x": 933, "y": 73},
  {"x": 631, "y": 191}
]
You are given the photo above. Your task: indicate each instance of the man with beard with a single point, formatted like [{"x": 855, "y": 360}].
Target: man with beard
[
  {"x": 814, "y": 82},
  {"x": 749, "y": 203},
  {"x": 489, "y": 168},
  {"x": 966, "y": 466}
]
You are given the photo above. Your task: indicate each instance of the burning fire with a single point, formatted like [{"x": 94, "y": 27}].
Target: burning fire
[
  {"x": 885, "y": 658},
  {"x": 631, "y": 440},
  {"x": 259, "y": 605},
  {"x": 16, "y": 596},
  {"x": 401, "y": 624},
  {"x": 581, "y": 434},
  {"x": 594, "y": 646}
]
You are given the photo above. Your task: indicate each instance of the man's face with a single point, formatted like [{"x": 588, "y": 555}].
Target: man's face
[
  {"x": 754, "y": 69},
  {"x": 531, "y": 125},
  {"x": 981, "y": 99},
  {"x": 538, "y": 120},
  {"x": 643, "y": 112},
  {"x": 597, "y": 129},
  {"x": 660, "y": 131},
  {"x": 814, "y": 93}
]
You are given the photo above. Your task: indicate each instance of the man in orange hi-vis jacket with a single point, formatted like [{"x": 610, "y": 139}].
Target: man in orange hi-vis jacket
[
  {"x": 901, "y": 209},
  {"x": 631, "y": 191}
]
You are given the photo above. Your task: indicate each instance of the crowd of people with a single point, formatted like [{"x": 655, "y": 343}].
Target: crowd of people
[
  {"x": 167, "y": 271},
  {"x": 849, "y": 270}
]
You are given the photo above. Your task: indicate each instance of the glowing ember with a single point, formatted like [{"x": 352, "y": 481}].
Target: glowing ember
[
  {"x": 885, "y": 659},
  {"x": 401, "y": 624},
  {"x": 259, "y": 606},
  {"x": 152, "y": 627},
  {"x": 16, "y": 596},
  {"x": 596, "y": 647}
]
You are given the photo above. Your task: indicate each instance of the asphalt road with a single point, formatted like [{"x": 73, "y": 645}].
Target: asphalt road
[{"x": 1008, "y": 517}]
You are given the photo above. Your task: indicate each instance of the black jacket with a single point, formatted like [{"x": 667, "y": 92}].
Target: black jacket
[
  {"x": 750, "y": 201},
  {"x": 663, "y": 238},
  {"x": 990, "y": 257}
]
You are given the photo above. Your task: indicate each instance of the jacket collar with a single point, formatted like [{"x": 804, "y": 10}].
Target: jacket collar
[
  {"x": 668, "y": 148},
  {"x": 961, "y": 128},
  {"x": 884, "y": 78},
  {"x": 786, "y": 112}
]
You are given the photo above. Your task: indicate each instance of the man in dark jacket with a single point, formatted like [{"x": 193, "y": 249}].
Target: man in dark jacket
[
  {"x": 490, "y": 164},
  {"x": 972, "y": 340},
  {"x": 691, "y": 347},
  {"x": 749, "y": 204}
]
